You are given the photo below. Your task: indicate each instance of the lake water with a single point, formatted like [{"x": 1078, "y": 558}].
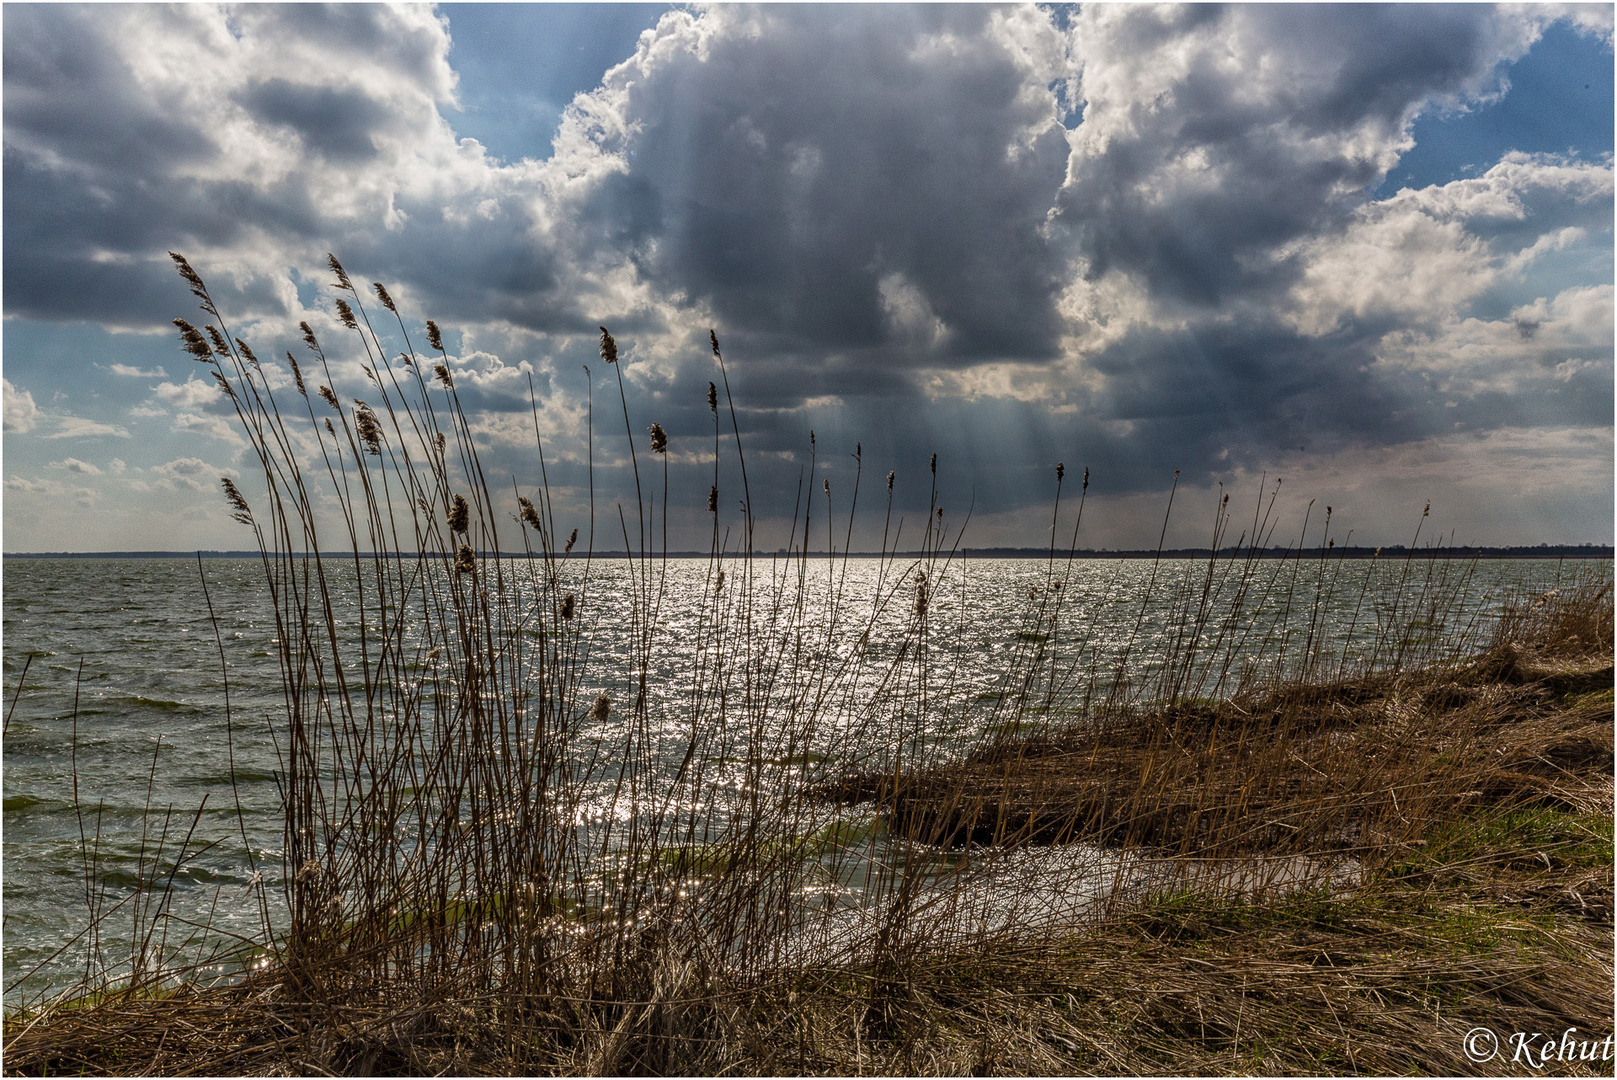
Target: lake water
[{"x": 121, "y": 721}]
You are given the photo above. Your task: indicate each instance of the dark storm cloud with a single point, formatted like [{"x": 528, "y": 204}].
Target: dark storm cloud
[
  {"x": 848, "y": 179},
  {"x": 472, "y": 268},
  {"x": 297, "y": 131},
  {"x": 68, "y": 100},
  {"x": 58, "y": 232},
  {"x": 85, "y": 161},
  {"x": 1249, "y": 389},
  {"x": 333, "y": 123},
  {"x": 1215, "y": 136},
  {"x": 112, "y": 158},
  {"x": 1382, "y": 60}
]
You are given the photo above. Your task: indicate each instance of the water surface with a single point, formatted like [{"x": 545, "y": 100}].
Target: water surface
[{"x": 121, "y": 729}]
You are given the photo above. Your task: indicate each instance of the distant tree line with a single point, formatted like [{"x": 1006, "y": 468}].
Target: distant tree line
[{"x": 1518, "y": 551}]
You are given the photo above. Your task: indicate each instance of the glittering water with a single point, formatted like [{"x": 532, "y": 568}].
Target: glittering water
[{"x": 120, "y": 734}]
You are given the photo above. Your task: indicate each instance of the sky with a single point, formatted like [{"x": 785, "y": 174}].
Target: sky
[{"x": 1366, "y": 250}]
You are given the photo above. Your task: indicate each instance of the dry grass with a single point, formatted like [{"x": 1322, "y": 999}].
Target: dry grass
[
  {"x": 1362, "y": 767},
  {"x": 1378, "y": 984}
]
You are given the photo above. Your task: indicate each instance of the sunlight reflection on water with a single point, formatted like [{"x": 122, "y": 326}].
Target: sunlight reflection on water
[{"x": 151, "y": 730}]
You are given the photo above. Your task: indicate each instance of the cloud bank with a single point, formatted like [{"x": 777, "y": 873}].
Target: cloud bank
[{"x": 1136, "y": 238}]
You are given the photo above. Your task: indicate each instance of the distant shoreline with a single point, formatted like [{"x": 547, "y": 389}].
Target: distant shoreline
[{"x": 1539, "y": 551}]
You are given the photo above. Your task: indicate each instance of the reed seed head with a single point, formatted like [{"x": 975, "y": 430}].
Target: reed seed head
[
  {"x": 185, "y": 270},
  {"x": 601, "y": 709},
  {"x": 459, "y": 514},
  {"x": 434, "y": 338},
  {"x": 370, "y": 432},
  {"x": 827, "y": 484},
  {"x": 247, "y": 353},
  {"x": 1086, "y": 477},
  {"x": 934, "y": 464},
  {"x": 811, "y": 436},
  {"x": 609, "y": 348},
  {"x": 529, "y": 514},
  {"x": 714, "y": 338},
  {"x": 342, "y": 275},
  {"x": 441, "y": 442},
  {"x": 198, "y": 290},
  {"x": 1427, "y": 509},
  {"x": 713, "y": 500},
  {"x": 224, "y": 386},
  {"x": 308, "y": 337},
  {"x": 858, "y": 449},
  {"x": 331, "y": 398},
  {"x": 442, "y": 371},
  {"x": 1061, "y": 471},
  {"x": 243, "y": 513},
  {"x": 381, "y": 294},
  {"x": 712, "y": 399},
  {"x": 571, "y": 540},
  {"x": 218, "y": 339},
  {"x": 329, "y": 429},
  {"x": 721, "y": 578},
  {"x": 889, "y": 481},
  {"x": 297, "y": 376},
  {"x": 192, "y": 341},
  {"x": 465, "y": 560},
  {"x": 920, "y": 592},
  {"x": 659, "y": 439},
  {"x": 346, "y": 314},
  {"x": 567, "y": 604}
]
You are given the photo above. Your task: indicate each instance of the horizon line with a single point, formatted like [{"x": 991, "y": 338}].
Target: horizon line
[{"x": 1542, "y": 550}]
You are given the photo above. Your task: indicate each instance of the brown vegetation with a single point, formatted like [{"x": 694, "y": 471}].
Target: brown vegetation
[{"x": 1366, "y": 766}]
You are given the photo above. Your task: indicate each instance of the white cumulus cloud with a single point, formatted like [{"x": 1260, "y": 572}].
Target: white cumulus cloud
[
  {"x": 21, "y": 414},
  {"x": 74, "y": 465}
]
